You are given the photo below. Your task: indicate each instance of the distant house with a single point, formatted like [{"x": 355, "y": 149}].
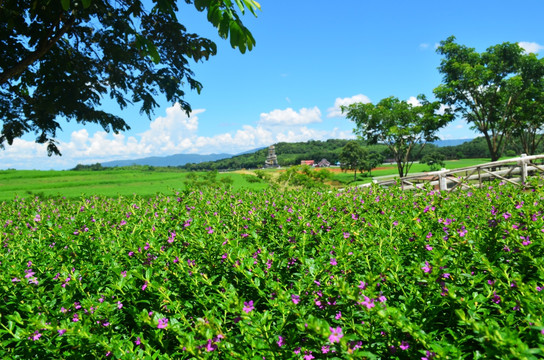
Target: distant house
[
  {"x": 323, "y": 163},
  {"x": 307, "y": 162}
]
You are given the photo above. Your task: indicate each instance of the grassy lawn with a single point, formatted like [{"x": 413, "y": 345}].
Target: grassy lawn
[
  {"x": 74, "y": 184},
  {"x": 145, "y": 182},
  {"x": 346, "y": 178}
]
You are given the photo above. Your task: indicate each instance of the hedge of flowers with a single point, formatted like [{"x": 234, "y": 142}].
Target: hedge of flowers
[{"x": 369, "y": 274}]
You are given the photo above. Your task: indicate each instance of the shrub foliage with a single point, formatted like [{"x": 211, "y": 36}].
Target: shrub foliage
[{"x": 300, "y": 274}]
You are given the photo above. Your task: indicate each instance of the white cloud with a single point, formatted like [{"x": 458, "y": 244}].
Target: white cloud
[
  {"x": 423, "y": 46},
  {"x": 173, "y": 133},
  {"x": 290, "y": 117},
  {"x": 335, "y": 111},
  {"x": 531, "y": 47},
  {"x": 413, "y": 101}
]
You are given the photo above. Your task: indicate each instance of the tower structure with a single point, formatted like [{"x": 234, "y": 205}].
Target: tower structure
[{"x": 271, "y": 159}]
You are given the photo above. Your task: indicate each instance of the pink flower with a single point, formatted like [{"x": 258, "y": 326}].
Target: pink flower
[
  {"x": 295, "y": 299},
  {"x": 336, "y": 335},
  {"x": 280, "y": 341},
  {"x": 163, "y": 323},
  {"x": 427, "y": 268},
  {"x": 119, "y": 305},
  {"x": 333, "y": 262},
  {"x": 210, "y": 347},
  {"x": 338, "y": 316},
  {"x": 404, "y": 345},
  {"x": 369, "y": 303},
  {"x": 248, "y": 306},
  {"x": 36, "y": 336}
]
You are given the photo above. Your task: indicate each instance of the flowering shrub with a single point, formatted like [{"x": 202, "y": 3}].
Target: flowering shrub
[{"x": 297, "y": 275}]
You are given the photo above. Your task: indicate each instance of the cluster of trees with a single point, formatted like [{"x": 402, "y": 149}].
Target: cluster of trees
[
  {"x": 499, "y": 92},
  {"x": 288, "y": 154},
  {"x": 358, "y": 155}
]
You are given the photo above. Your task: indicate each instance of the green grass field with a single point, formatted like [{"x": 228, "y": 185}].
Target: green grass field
[
  {"x": 145, "y": 182},
  {"x": 347, "y": 177},
  {"x": 74, "y": 184}
]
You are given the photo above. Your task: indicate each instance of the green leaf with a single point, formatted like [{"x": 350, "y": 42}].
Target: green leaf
[
  {"x": 65, "y": 4},
  {"x": 86, "y": 3}
]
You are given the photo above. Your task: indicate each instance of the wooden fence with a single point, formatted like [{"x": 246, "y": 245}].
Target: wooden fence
[{"x": 515, "y": 171}]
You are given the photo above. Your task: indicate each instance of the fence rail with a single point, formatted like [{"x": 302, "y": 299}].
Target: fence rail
[{"x": 515, "y": 171}]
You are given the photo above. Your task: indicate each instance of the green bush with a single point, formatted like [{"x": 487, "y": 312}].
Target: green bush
[{"x": 244, "y": 275}]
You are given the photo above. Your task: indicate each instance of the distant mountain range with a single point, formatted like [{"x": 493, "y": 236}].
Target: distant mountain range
[
  {"x": 172, "y": 160},
  {"x": 182, "y": 159}
]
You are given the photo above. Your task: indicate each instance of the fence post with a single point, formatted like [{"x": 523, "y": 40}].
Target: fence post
[
  {"x": 523, "y": 169},
  {"x": 442, "y": 183}
]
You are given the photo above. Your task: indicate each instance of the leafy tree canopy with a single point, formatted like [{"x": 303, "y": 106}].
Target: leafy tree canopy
[
  {"x": 352, "y": 157},
  {"x": 494, "y": 91},
  {"x": 60, "y": 58},
  {"x": 399, "y": 125}
]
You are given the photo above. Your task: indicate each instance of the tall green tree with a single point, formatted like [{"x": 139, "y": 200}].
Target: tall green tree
[
  {"x": 490, "y": 90},
  {"x": 352, "y": 158},
  {"x": 399, "y": 125},
  {"x": 371, "y": 160},
  {"x": 60, "y": 58},
  {"x": 529, "y": 112}
]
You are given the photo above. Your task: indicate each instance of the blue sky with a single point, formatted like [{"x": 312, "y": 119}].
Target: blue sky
[{"x": 311, "y": 56}]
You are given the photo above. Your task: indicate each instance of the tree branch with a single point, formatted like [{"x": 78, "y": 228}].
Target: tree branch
[{"x": 40, "y": 51}]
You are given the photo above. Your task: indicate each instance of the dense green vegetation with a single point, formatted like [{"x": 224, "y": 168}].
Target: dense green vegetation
[
  {"x": 226, "y": 274},
  {"x": 148, "y": 181},
  {"x": 293, "y": 153}
]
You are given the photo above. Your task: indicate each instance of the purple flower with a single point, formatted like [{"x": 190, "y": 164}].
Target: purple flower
[
  {"x": 333, "y": 262},
  {"x": 61, "y": 331},
  {"x": 428, "y": 247},
  {"x": 36, "y": 336},
  {"x": 496, "y": 298},
  {"x": 295, "y": 299},
  {"x": 144, "y": 286},
  {"x": 210, "y": 346},
  {"x": 325, "y": 349},
  {"x": 280, "y": 341},
  {"x": 362, "y": 285},
  {"x": 336, "y": 335},
  {"x": 427, "y": 268},
  {"x": 119, "y": 305},
  {"x": 308, "y": 356},
  {"x": 404, "y": 345},
  {"x": 248, "y": 306},
  {"x": 338, "y": 315},
  {"x": 368, "y": 303},
  {"x": 430, "y": 355},
  {"x": 163, "y": 323}
]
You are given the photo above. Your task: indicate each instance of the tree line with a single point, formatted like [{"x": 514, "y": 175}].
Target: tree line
[{"x": 290, "y": 154}]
